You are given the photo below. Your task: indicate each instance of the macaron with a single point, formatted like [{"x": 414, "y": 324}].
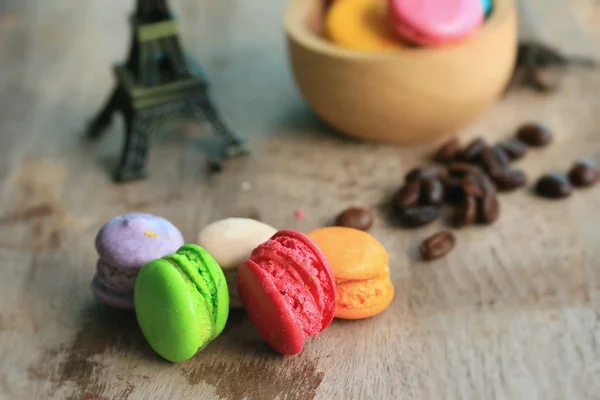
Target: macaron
[
  {"x": 487, "y": 6},
  {"x": 361, "y": 25},
  {"x": 360, "y": 267},
  {"x": 124, "y": 244},
  {"x": 433, "y": 22},
  {"x": 181, "y": 302},
  {"x": 288, "y": 291},
  {"x": 230, "y": 241}
]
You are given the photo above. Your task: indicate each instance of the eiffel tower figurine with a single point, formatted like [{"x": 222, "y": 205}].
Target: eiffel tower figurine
[{"x": 155, "y": 83}]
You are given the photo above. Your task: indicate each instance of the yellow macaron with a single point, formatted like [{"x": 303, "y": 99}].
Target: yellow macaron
[{"x": 362, "y": 25}]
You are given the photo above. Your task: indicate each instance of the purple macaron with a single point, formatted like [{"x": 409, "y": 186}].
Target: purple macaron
[{"x": 124, "y": 245}]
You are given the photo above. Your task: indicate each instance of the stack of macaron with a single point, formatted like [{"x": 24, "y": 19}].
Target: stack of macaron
[
  {"x": 290, "y": 284},
  {"x": 389, "y": 25}
]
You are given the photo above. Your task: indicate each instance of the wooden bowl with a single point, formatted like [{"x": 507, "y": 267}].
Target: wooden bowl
[{"x": 413, "y": 95}]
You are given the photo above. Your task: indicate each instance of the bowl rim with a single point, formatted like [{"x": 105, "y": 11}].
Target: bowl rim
[{"x": 296, "y": 29}]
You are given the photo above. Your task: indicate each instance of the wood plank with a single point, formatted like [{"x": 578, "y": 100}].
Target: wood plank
[{"x": 511, "y": 313}]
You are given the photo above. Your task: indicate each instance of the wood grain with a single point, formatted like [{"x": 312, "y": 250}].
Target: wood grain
[{"x": 512, "y": 312}]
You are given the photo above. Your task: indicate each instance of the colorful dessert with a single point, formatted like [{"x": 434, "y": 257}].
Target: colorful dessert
[
  {"x": 288, "y": 291},
  {"x": 124, "y": 245},
  {"x": 361, "y": 25},
  {"x": 360, "y": 267},
  {"x": 230, "y": 241},
  {"x": 487, "y": 6},
  {"x": 431, "y": 23},
  {"x": 181, "y": 302}
]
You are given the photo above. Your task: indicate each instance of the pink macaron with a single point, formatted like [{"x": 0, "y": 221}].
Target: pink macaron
[{"x": 434, "y": 22}]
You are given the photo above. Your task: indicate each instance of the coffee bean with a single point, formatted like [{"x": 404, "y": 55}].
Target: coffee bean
[
  {"x": 448, "y": 151},
  {"x": 437, "y": 245},
  {"x": 485, "y": 183},
  {"x": 515, "y": 149},
  {"x": 473, "y": 150},
  {"x": 534, "y": 134},
  {"x": 488, "y": 209},
  {"x": 407, "y": 196},
  {"x": 419, "y": 216},
  {"x": 553, "y": 186},
  {"x": 461, "y": 169},
  {"x": 356, "y": 217},
  {"x": 501, "y": 157},
  {"x": 509, "y": 180},
  {"x": 416, "y": 174},
  {"x": 489, "y": 161},
  {"x": 470, "y": 187},
  {"x": 466, "y": 213},
  {"x": 583, "y": 173},
  {"x": 432, "y": 192},
  {"x": 452, "y": 188}
]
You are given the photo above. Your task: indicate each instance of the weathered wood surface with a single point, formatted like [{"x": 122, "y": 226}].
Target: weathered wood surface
[{"x": 511, "y": 313}]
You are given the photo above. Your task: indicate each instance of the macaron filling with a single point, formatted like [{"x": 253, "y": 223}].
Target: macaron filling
[{"x": 118, "y": 280}]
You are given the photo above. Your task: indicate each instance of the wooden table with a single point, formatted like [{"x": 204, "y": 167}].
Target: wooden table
[{"x": 512, "y": 312}]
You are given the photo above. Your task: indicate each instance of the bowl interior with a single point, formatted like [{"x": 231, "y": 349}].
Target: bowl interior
[{"x": 305, "y": 23}]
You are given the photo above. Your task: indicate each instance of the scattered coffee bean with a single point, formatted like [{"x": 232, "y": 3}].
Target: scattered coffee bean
[
  {"x": 416, "y": 174},
  {"x": 466, "y": 213},
  {"x": 419, "y": 216},
  {"x": 515, "y": 149},
  {"x": 432, "y": 192},
  {"x": 488, "y": 209},
  {"x": 534, "y": 134},
  {"x": 490, "y": 162},
  {"x": 473, "y": 150},
  {"x": 583, "y": 173},
  {"x": 407, "y": 196},
  {"x": 461, "y": 169},
  {"x": 448, "y": 151},
  {"x": 437, "y": 245},
  {"x": 356, "y": 217},
  {"x": 501, "y": 157},
  {"x": 553, "y": 186},
  {"x": 470, "y": 187},
  {"x": 509, "y": 180}
]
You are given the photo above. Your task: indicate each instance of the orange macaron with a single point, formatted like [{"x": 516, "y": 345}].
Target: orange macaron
[
  {"x": 362, "y": 25},
  {"x": 360, "y": 268}
]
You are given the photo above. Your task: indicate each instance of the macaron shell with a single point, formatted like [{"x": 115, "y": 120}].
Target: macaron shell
[
  {"x": 362, "y": 25},
  {"x": 230, "y": 241},
  {"x": 171, "y": 313},
  {"x": 364, "y": 298},
  {"x": 433, "y": 21},
  {"x": 352, "y": 254},
  {"x": 268, "y": 311},
  {"x": 133, "y": 239},
  {"x": 293, "y": 248}
]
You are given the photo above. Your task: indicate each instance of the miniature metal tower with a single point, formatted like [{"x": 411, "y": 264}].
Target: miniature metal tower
[{"x": 158, "y": 81}]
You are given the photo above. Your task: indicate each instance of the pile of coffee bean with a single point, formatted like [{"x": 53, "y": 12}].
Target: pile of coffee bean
[{"x": 469, "y": 179}]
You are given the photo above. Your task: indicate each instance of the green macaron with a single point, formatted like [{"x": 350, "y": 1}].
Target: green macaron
[{"x": 181, "y": 302}]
